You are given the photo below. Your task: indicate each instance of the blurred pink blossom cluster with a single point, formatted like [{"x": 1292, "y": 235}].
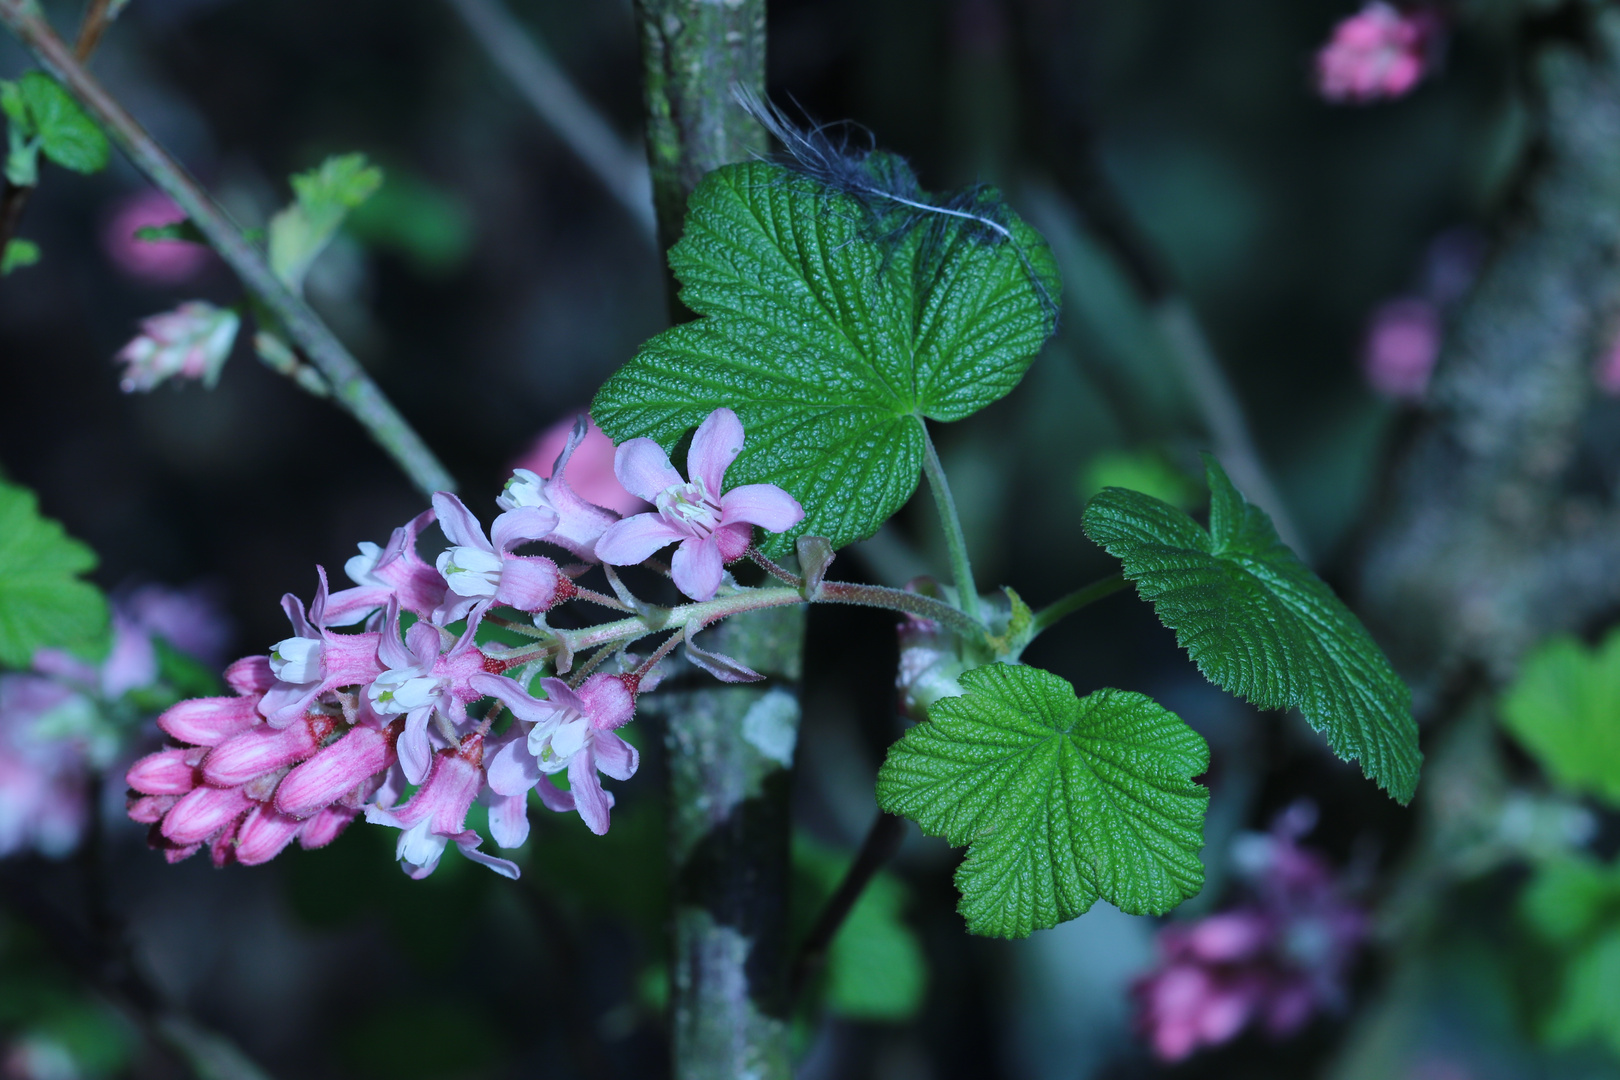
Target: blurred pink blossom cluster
[
  {"x": 1378, "y": 54},
  {"x": 1404, "y": 334},
  {"x": 60, "y": 723},
  {"x": 1273, "y": 961},
  {"x": 159, "y": 262},
  {"x": 191, "y": 342},
  {"x": 332, "y": 725}
]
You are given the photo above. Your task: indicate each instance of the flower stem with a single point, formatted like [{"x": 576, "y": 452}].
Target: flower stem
[
  {"x": 967, "y": 592},
  {"x": 351, "y": 386},
  {"x": 1078, "y": 599}
]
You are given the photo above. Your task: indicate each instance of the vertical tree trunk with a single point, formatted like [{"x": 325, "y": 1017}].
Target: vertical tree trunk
[{"x": 730, "y": 747}]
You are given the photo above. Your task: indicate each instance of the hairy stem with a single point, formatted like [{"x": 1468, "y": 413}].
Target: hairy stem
[
  {"x": 524, "y": 59},
  {"x": 1081, "y": 597},
  {"x": 351, "y": 386},
  {"x": 967, "y": 593}
]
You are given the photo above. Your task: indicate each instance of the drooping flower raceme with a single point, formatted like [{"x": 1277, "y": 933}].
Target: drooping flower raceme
[
  {"x": 1377, "y": 54},
  {"x": 191, "y": 342},
  {"x": 712, "y": 526}
]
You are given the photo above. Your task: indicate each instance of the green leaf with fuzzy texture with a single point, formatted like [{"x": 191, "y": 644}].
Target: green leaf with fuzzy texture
[
  {"x": 832, "y": 346},
  {"x": 1059, "y": 800},
  {"x": 1261, "y": 625},
  {"x": 1565, "y": 709},
  {"x": 43, "y": 604}
]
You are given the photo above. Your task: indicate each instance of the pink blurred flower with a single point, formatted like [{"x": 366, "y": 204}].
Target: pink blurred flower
[
  {"x": 1378, "y": 54},
  {"x": 191, "y": 619},
  {"x": 1608, "y": 369},
  {"x": 44, "y": 768},
  {"x": 589, "y": 470},
  {"x": 161, "y": 262},
  {"x": 711, "y": 528},
  {"x": 1275, "y": 960},
  {"x": 1402, "y": 345},
  {"x": 191, "y": 342}
]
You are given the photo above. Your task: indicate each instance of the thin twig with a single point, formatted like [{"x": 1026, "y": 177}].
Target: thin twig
[
  {"x": 97, "y": 17},
  {"x": 882, "y": 841},
  {"x": 351, "y": 386},
  {"x": 520, "y": 54}
]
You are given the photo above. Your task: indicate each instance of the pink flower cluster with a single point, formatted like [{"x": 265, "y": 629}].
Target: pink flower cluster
[
  {"x": 1275, "y": 960},
  {"x": 330, "y": 725},
  {"x": 1377, "y": 54}
]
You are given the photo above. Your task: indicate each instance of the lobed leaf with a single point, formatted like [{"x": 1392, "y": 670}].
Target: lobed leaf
[
  {"x": 1059, "y": 800},
  {"x": 1260, "y": 624},
  {"x": 48, "y": 112},
  {"x": 832, "y": 346},
  {"x": 43, "y": 604}
]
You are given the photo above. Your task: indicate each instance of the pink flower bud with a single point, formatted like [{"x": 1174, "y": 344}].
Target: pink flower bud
[
  {"x": 261, "y": 750},
  {"x": 335, "y": 770},
  {"x": 325, "y": 827},
  {"x": 167, "y": 772},
  {"x": 1403, "y": 343},
  {"x": 264, "y": 835},
  {"x": 203, "y": 813},
  {"x": 209, "y": 721}
]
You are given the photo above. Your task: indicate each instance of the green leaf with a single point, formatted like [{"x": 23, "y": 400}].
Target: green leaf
[
  {"x": 1259, "y": 624},
  {"x": 1059, "y": 800},
  {"x": 1589, "y": 1006},
  {"x": 18, "y": 254},
  {"x": 43, "y": 604},
  {"x": 876, "y": 969},
  {"x": 831, "y": 345},
  {"x": 1570, "y": 898},
  {"x": 325, "y": 195},
  {"x": 183, "y": 231},
  {"x": 1562, "y": 708},
  {"x": 65, "y": 132}
]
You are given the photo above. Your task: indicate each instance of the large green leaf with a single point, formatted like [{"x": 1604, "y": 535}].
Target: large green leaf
[
  {"x": 1565, "y": 709},
  {"x": 42, "y": 601},
  {"x": 832, "y": 344},
  {"x": 1258, "y": 623},
  {"x": 1059, "y": 800}
]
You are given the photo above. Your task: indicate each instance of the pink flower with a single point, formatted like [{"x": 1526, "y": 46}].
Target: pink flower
[
  {"x": 569, "y": 730},
  {"x": 585, "y": 462},
  {"x": 480, "y": 570},
  {"x": 190, "y": 619},
  {"x": 44, "y": 768},
  {"x": 1379, "y": 53},
  {"x": 382, "y": 573},
  {"x": 1608, "y": 369},
  {"x": 1403, "y": 343},
  {"x": 712, "y": 529},
  {"x": 579, "y": 523},
  {"x": 162, "y": 262},
  {"x": 1275, "y": 960},
  {"x": 314, "y": 660},
  {"x": 437, "y": 813},
  {"x": 418, "y": 681},
  {"x": 191, "y": 342}
]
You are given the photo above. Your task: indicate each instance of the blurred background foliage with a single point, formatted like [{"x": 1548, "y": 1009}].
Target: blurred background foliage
[{"x": 490, "y": 286}]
